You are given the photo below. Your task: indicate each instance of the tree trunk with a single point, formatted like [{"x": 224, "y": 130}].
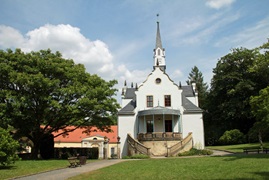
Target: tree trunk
[
  {"x": 35, "y": 150},
  {"x": 260, "y": 139}
]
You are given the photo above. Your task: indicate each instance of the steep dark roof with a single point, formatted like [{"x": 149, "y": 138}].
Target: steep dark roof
[
  {"x": 130, "y": 93},
  {"x": 158, "y": 38},
  {"x": 189, "y": 106},
  {"x": 187, "y": 91},
  {"x": 129, "y": 108}
]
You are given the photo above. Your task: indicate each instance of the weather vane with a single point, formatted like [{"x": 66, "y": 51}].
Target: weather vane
[{"x": 158, "y": 17}]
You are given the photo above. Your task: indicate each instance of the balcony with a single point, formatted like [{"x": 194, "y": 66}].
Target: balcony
[{"x": 160, "y": 136}]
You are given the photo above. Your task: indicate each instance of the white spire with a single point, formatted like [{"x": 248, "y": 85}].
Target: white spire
[{"x": 159, "y": 52}]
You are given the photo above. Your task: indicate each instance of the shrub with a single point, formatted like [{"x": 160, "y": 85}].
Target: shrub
[
  {"x": 8, "y": 148},
  {"x": 136, "y": 156},
  {"x": 114, "y": 156},
  {"x": 194, "y": 151},
  {"x": 232, "y": 137}
]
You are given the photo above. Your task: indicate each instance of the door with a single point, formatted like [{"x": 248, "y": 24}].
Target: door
[{"x": 168, "y": 126}]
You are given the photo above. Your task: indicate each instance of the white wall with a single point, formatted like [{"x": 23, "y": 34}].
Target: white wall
[
  {"x": 194, "y": 123},
  {"x": 166, "y": 87},
  {"x": 126, "y": 124}
]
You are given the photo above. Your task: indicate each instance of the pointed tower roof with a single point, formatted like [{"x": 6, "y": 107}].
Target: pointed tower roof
[
  {"x": 158, "y": 38},
  {"x": 159, "y": 51}
]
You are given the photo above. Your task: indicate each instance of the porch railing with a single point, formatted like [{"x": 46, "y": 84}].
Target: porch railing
[
  {"x": 175, "y": 149},
  {"x": 136, "y": 147},
  {"x": 160, "y": 136}
]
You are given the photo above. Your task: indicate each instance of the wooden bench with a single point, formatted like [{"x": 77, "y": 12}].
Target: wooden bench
[
  {"x": 74, "y": 162},
  {"x": 256, "y": 151}
]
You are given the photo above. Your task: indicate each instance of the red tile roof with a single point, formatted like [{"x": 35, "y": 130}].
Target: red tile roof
[{"x": 78, "y": 135}]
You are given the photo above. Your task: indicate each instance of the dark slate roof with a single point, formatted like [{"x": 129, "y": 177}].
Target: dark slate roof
[
  {"x": 129, "y": 108},
  {"x": 130, "y": 93},
  {"x": 189, "y": 106},
  {"x": 158, "y": 110},
  {"x": 187, "y": 91}
]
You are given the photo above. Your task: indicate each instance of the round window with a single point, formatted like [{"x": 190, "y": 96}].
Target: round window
[{"x": 158, "y": 80}]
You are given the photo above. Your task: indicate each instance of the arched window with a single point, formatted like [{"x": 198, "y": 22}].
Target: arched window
[{"x": 159, "y": 52}]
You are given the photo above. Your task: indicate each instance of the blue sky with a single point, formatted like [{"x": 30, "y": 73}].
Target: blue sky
[{"x": 115, "y": 38}]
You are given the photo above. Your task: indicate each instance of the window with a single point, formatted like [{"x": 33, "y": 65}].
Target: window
[
  {"x": 149, "y": 126},
  {"x": 159, "y": 52},
  {"x": 167, "y": 100},
  {"x": 149, "y": 101},
  {"x": 158, "y": 81}
]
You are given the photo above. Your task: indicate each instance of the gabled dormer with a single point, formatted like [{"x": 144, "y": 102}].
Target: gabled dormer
[{"x": 159, "y": 51}]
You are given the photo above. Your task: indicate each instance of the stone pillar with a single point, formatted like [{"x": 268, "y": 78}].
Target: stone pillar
[
  {"x": 118, "y": 148},
  {"x": 105, "y": 147}
]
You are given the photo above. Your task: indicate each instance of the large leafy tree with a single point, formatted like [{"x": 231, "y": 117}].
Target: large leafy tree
[
  {"x": 260, "y": 109},
  {"x": 197, "y": 76},
  {"x": 235, "y": 80},
  {"x": 41, "y": 93},
  {"x": 260, "y": 103}
]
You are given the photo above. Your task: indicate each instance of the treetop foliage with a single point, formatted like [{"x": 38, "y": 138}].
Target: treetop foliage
[{"x": 41, "y": 93}]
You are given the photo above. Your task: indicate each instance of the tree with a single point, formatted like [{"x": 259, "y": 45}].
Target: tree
[
  {"x": 41, "y": 93},
  {"x": 8, "y": 148},
  {"x": 260, "y": 109},
  {"x": 196, "y": 76},
  {"x": 237, "y": 77}
]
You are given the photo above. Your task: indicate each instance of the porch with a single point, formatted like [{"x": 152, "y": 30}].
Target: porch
[
  {"x": 159, "y": 124},
  {"x": 160, "y": 136}
]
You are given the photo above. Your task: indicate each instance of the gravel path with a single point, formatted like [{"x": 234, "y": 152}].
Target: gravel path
[{"x": 66, "y": 173}]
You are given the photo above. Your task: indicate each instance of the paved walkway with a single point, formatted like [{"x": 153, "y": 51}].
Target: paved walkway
[
  {"x": 65, "y": 173},
  {"x": 221, "y": 153}
]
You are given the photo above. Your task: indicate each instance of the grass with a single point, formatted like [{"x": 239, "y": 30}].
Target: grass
[
  {"x": 229, "y": 167},
  {"x": 27, "y": 167},
  {"x": 239, "y": 147},
  {"x": 238, "y": 166}
]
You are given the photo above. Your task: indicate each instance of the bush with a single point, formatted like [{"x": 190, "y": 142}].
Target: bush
[
  {"x": 194, "y": 151},
  {"x": 114, "y": 156},
  {"x": 136, "y": 156},
  {"x": 8, "y": 148},
  {"x": 232, "y": 137}
]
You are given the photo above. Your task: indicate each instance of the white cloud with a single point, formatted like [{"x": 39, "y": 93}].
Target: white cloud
[
  {"x": 176, "y": 76},
  {"x": 217, "y": 4},
  {"x": 95, "y": 55},
  {"x": 10, "y": 37},
  {"x": 67, "y": 39}
]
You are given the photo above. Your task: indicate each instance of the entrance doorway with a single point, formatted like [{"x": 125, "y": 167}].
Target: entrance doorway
[{"x": 168, "y": 126}]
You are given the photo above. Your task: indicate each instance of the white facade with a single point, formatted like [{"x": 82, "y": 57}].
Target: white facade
[{"x": 160, "y": 105}]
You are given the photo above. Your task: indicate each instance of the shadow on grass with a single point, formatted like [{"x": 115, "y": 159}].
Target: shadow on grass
[
  {"x": 264, "y": 175},
  {"x": 7, "y": 167},
  {"x": 234, "y": 157}
]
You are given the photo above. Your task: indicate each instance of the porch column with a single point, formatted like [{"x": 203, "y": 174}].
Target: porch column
[
  {"x": 163, "y": 122},
  {"x": 173, "y": 123},
  {"x": 153, "y": 129},
  {"x": 179, "y": 124},
  {"x": 145, "y": 124}
]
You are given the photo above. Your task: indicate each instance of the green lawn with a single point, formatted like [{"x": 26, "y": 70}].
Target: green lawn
[
  {"x": 239, "y": 147},
  {"x": 238, "y": 166},
  {"x": 26, "y": 167}
]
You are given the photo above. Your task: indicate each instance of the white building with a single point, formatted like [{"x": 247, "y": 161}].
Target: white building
[{"x": 160, "y": 117}]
